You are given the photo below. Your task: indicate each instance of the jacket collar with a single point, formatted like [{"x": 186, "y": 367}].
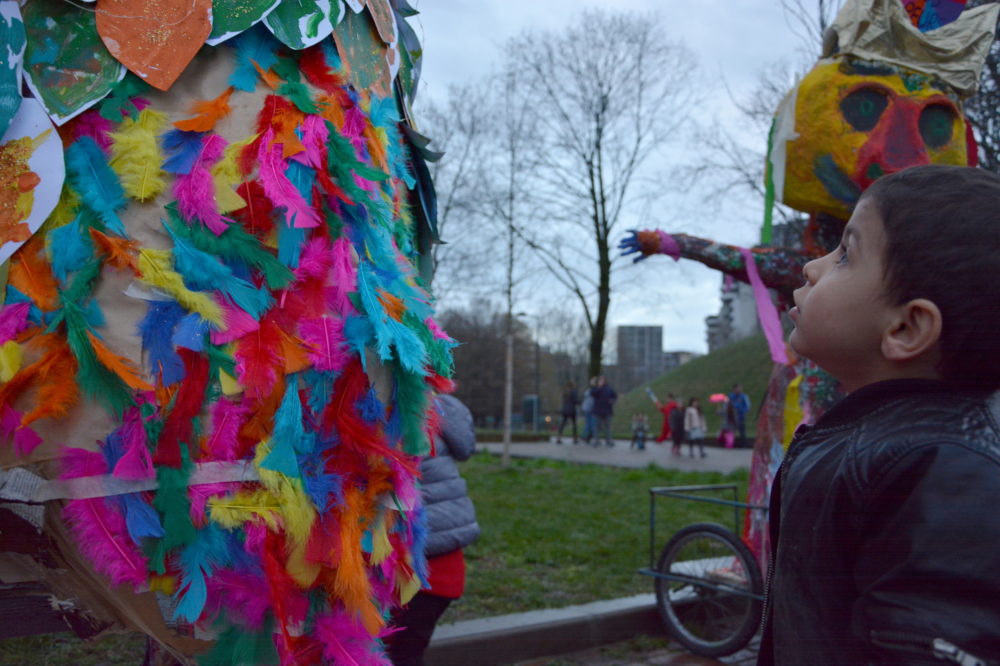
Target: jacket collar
[{"x": 869, "y": 398}]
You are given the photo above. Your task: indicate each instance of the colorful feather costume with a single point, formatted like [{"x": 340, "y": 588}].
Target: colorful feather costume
[{"x": 205, "y": 343}]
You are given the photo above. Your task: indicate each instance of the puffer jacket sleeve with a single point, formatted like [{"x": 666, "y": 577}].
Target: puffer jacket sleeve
[{"x": 457, "y": 429}]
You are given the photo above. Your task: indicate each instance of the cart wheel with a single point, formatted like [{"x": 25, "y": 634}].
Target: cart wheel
[{"x": 710, "y": 598}]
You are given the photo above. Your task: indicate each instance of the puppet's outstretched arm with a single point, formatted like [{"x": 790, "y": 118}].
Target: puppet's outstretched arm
[{"x": 780, "y": 268}]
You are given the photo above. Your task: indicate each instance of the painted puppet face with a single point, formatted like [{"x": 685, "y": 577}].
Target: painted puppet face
[{"x": 855, "y": 121}]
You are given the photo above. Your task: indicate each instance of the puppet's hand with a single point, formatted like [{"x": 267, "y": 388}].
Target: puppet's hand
[{"x": 647, "y": 242}]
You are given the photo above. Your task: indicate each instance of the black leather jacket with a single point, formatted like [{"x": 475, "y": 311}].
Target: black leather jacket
[{"x": 885, "y": 525}]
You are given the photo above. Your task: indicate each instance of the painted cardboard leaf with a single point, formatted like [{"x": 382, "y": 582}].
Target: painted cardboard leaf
[
  {"x": 231, "y": 17},
  {"x": 362, "y": 53},
  {"x": 31, "y": 175},
  {"x": 300, "y": 24},
  {"x": 65, "y": 64},
  {"x": 156, "y": 39},
  {"x": 11, "y": 58}
]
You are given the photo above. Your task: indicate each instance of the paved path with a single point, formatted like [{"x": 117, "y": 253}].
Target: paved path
[{"x": 620, "y": 455}]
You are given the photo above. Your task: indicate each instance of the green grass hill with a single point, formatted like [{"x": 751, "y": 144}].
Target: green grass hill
[{"x": 746, "y": 362}]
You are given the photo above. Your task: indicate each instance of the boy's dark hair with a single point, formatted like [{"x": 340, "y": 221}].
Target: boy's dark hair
[{"x": 942, "y": 226}]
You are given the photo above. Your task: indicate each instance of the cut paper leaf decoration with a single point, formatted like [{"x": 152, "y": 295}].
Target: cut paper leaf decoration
[
  {"x": 231, "y": 17},
  {"x": 300, "y": 24},
  {"x": 11, "y": 58},
  {"x": 65, "y": 64},
  {"x": 156, "y": 40},
  {"x": 31, "y": 175},
  {"x": 363, "y": 54}
]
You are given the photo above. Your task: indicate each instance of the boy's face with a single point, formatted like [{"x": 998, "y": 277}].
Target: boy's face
[{"x": 841, "y": 311}]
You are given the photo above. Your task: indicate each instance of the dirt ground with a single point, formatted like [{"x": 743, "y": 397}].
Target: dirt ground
[{"x": 646, "y": 651}]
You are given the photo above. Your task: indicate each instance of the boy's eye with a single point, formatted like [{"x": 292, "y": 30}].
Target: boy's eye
[{"x": 842, "y": 259}]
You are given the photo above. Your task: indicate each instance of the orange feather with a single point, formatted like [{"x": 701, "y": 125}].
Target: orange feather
[
  {"x": 118, "y": 252},
  {"x": 393, "y": 305},
  {"x": 31, "y": 274},
  {"x": 119, "y": 365},
  {"x": 209, "y": 113},
  {"x": 272, "y": 80},
  {"x": 296, "y": 359},
  {"x": 58, "y": 391}
]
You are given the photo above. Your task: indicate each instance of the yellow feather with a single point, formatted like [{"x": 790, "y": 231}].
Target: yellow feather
[
  {"x": 229, "y": 384},
  {"x": 136, "y": 156},
  {"x": 226, "y": 176},
  {"x": 162, "y": 583},
  {"x": 64, "y": 212},
  {"x": 407, "y": 585},
  {"x": 234, "y": 510},
  {"x": 297, "y": 510},
  {"x": 299, "y": 568},
  {"x": 155, "y": 266},
  {"x": 10, "y": 360},
  {"x": 381, "y": 548}
]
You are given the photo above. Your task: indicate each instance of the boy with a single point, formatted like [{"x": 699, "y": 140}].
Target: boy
[{"x": 884, "y": 513}]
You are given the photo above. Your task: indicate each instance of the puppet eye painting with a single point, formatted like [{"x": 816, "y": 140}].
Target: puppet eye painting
[
  {"x": 862, "y": 108},
  {"x": 937, "y": 123}
]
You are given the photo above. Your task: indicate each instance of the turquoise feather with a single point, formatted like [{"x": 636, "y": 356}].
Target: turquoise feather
[{"x": 94, "y": 181}]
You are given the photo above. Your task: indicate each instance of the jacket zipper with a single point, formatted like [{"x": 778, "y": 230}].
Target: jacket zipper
[{"x": 938, "y": 647}]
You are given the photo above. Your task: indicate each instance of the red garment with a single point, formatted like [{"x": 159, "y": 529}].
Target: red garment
[
  {"x": 665, "y": 430},
  {"x": 446, "y": 574}
]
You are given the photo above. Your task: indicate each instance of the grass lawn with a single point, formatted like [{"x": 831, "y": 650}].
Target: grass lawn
[
  {"x": 557, "y": 533},
  {"x": 554, "y": 534}
]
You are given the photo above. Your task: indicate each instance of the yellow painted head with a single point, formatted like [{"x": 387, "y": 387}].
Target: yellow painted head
[{"x": 854, "y": 120}]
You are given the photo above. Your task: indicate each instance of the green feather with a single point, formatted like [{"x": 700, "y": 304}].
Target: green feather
[
  {"x": 237, "y": 645},
  {"x": 94, "y": 379},
  {"x": 234, "y": 244},
  {"x": 172, "y": 502},
  {"x": 411, "y": 400},
  {"x": 119, "y": 103},
  {"x": 298, "y": 94}
]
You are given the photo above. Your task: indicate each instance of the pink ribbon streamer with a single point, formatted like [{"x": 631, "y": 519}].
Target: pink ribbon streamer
[{"x": 766, "y": 312}]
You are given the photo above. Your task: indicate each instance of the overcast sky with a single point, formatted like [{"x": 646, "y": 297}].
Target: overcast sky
[{"x": 731, "y": 39}]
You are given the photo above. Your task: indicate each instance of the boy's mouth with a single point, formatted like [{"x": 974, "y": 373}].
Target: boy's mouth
[{"x": 793, "y": 314}]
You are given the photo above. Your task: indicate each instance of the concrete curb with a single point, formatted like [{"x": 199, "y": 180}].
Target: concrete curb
[{"x": 507, "y": 639}]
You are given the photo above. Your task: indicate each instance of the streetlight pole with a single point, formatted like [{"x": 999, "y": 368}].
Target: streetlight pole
[{"x": 538, "y": 394}]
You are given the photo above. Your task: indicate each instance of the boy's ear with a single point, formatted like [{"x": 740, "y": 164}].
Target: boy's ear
[{"x": 913, "y": 331}]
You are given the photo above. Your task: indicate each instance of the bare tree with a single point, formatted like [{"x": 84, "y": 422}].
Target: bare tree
[
  {"x": 460, "y": 130},
  {"x": 809, "y": 19},
  {"x": 608, "y": 90}
]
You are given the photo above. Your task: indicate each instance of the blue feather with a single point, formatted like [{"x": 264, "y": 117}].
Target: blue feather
[
  {"x": 326, "y": 490},
  {"x": 370, "y": 407},
  {"x": 253, "y": 45},
  {"x": 157, "y": 330},
  {"x": 319, "y": 388},
  {"x": 418, "y": 522},
  {"x": 388, "y": 331},
  {"x": 394, "y": 428},
  {"x": 288, "y": 433},
  {"x": 191, "y": 332},
  {"x": 203, "y": 271},
  {"x": 199, "y": 559},
  {"x": 290, "y": 242},
  {"x": 94, "y": 181},
  {"x": 113, "y": 449},
  {"x": 359, "y": 334},
  {"x": 93, "y": 313},
  {"x": 141, "y": 519},
  {"x": 69, "y": 249},
  {"x": 183, "y": 149}
]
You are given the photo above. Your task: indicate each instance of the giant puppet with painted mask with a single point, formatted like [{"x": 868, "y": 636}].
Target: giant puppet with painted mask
[{"x": 886, "y": 94}]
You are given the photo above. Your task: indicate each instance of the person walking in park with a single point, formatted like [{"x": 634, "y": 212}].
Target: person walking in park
[
  {"x": 570, "y": 400},
  {"x": 665, "y": 409},
  {"x": 740, "y": 402},
  {"x": 604, "y": 407},
  {"x": 451, "y": 526},
  {"x": 884, "y": 544},
  {"x": 677, "y": 427},
  {"x": 694, "y": 426},
  {"x": 587, "y": 407}
]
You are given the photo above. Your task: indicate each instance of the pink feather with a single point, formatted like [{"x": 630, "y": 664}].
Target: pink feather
[
  {"x": 315, "y": 134},
  {"x": 345, "y": 641},
  {"x": 227, "y": 419},
  {"x": 238, "y": 323},
  {"x": 195, "y": 191},
  {"x": 24, "y": 439},
  {"x": 135, "y": 463},
  {"x": 315, "y": 259},
  {"x": 325, "y": 338},
  {"x": 354, "y": 123},
  {"x": 363, "y": 183},
  {"x": 99, "y": 527},
  {"x": 240, "y": 594},
  {"x": 344, "y": 277},
  {"x": 13, "y": 320},
  {"x": 91, "y": 124},
  {"x": 404, "y": 484},
  {"x": 436, "y": 331},
  {"x": 278, "y": 188},
  {"x": 256, "y": 533}
]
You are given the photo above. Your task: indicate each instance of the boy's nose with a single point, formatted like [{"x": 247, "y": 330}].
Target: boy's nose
[{"x": 811, "y": 271}]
